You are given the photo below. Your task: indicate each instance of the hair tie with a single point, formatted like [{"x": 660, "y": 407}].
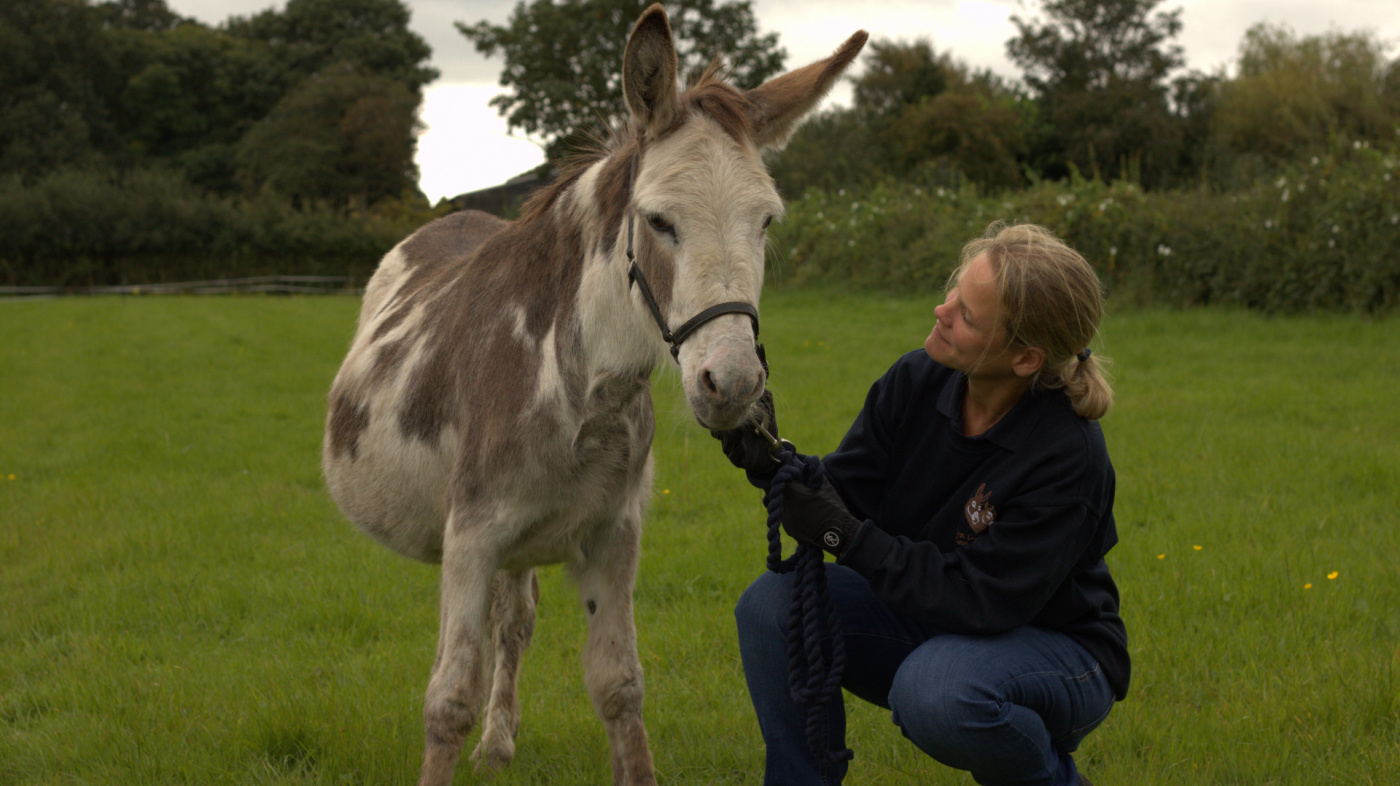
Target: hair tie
[{"x": 1083, "y": 356}]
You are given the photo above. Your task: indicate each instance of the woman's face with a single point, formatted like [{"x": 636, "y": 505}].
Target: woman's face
[{"x": 966, "y": 335}]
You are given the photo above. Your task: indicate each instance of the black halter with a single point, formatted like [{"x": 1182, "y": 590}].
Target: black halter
[{"x": 634, "y": 276}]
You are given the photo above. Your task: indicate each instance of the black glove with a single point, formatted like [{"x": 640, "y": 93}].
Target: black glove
[
  {"x": 818, "y": 517},
  {"x": 745, "y": 447}
]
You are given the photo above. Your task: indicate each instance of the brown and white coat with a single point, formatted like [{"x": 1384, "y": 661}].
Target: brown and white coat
[{"x": 494, "y": 410}]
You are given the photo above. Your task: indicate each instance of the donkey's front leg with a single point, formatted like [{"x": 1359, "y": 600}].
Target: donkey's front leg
[
  {"x": 458, "y": 685},
  {"x": 611, "y": 669}
]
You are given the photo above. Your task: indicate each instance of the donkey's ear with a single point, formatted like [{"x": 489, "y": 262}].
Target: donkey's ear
[
  {"x": 780, "y": 103},
  {"x": 649, "y": 69}
]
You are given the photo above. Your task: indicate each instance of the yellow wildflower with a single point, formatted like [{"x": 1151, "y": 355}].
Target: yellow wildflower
[{"x": 1334, "y": 574}]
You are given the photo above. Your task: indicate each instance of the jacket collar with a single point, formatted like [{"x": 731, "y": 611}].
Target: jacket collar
[{"x": 1015, "y": 426}]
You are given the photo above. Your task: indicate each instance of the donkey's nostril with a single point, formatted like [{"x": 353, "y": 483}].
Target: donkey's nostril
[{"x": 707, "y": 381}]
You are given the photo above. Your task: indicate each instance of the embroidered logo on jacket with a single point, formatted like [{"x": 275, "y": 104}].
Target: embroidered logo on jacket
[{"x": 979, "y": 514}]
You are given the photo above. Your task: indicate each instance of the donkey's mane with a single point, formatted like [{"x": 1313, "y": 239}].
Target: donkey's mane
[
  {"x": 708, "y": 95},
  {"x": 720, "y": 101}
]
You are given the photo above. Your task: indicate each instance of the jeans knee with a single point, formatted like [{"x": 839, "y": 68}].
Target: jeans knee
[
  {"x": 942, "y": 714},
  {"x": 924, "y": 709},
  {"x": 763, "y": 608}
]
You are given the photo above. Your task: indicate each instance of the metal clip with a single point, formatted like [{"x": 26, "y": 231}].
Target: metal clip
[{"x": 775, "y": 445}]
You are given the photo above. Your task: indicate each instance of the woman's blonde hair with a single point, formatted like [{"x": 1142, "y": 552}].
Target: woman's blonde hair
[{"x": 1052, "y": 299}]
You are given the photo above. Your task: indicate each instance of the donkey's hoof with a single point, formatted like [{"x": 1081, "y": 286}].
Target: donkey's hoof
[{"x": 491, "y": 756}]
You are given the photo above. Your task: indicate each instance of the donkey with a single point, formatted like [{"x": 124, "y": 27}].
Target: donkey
[{"x": 494, "y": 411}]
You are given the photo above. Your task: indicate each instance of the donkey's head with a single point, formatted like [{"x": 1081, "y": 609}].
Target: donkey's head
[{"x": 701, "y": 205}]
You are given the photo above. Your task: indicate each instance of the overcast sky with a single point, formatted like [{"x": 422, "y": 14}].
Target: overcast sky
[{"x": 466, "y": 146}]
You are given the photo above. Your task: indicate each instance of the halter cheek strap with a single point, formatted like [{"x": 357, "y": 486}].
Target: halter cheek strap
[{"x": 634, "y": 276}]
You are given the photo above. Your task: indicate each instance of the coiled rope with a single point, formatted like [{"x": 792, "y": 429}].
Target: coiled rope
[{"x": 816, "y": 649}]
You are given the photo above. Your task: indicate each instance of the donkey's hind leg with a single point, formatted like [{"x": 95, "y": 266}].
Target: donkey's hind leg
[
  {"x": 514, "y": 597},
  {"x": 611, "y": 669}
]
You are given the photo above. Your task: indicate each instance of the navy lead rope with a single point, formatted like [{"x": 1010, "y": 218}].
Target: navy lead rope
[{"x": 816, "y": 650}]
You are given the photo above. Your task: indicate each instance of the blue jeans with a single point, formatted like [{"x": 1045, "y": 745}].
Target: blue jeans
[{"x": 1009, "y": 708}]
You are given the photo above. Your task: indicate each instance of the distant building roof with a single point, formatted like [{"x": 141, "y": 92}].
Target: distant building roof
[{"x": 506, "y": 197}]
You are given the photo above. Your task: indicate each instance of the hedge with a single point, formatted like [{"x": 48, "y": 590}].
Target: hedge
[
  {"x": 97, "y": 228},
  {"x": 1321, "y": 235}
]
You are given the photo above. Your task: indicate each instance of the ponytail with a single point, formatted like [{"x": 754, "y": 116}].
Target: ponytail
[{"x": 1086, "y": 383}]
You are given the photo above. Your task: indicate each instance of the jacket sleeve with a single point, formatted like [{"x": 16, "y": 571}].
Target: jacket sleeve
[
  {"x": 861, "y": 463},
  {"x": 1000, "y": 581}
]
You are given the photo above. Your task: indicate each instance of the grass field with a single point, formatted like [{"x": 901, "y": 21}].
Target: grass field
[{"x": 180, "y": 601}]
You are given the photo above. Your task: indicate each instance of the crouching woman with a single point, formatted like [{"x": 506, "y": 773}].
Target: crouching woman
[{"x": 969, "y": 509}]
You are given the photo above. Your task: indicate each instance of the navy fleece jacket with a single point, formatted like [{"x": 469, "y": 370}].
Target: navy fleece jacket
[{"x": 983, "y": 534}]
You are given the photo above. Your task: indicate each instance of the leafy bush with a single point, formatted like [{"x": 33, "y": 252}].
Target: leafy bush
[
  {"x": 1322, "y": 235},
  {"x": 86, "y": 227}
]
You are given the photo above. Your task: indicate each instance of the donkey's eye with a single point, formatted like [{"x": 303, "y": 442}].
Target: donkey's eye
[
  {"x": 661, "y": 225},
  {"x": 766, "y": 221}
]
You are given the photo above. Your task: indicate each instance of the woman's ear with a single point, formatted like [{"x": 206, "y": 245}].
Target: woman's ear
[{"x": 1028, "y": 361}]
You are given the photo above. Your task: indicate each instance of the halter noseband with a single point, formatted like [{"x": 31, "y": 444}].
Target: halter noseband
[{"x": 634, "y": 276}]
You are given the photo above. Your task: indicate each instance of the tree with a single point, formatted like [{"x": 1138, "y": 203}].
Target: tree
[
  {"x": 563, "y": 58},
  {"x": 148, "y": 15},
  {"x": 189, "y": 93},
  {"x": 342, "y": 136},
  {"x": 1195, "y": 100},
  {"x": 918, "y": 115},
  {"x": 975, "y": 130},
  {"x": 897, "y": 75},
  {"x": 310, "y": 35},
  {"x": 349, "y": 74},
  {"x": 1294, "y": 95},
  {"x": 1099, "y": 69},
  {"x": 938, "y": 119},
  {"x": 55, "y": 68},
  {"x": 835, "y": 148}
]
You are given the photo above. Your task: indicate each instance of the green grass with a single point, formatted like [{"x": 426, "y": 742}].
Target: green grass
[{"x": 180, "y": 601}]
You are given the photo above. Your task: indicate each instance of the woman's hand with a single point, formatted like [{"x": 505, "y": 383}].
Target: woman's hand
[{"x": 818, "y": 517}]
